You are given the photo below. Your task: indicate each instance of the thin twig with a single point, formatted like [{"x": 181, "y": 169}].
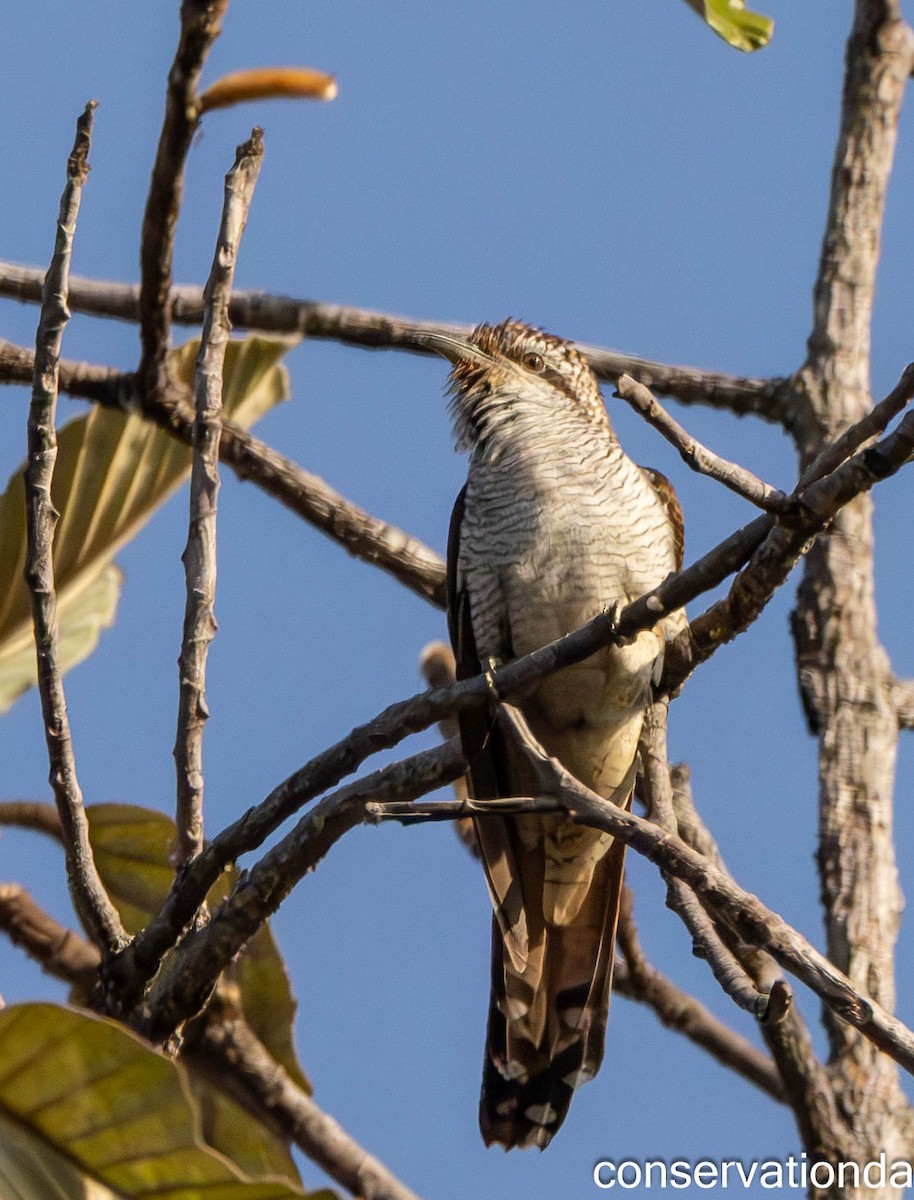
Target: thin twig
[
  {"x": 636, "y": 979},
  {"x": 417, "y": 812},
  {"x": 738, "y": 479},
  {"x": 32, "y": 814},
  {"x": 261, "y": 312},
  {"x": 60, "y": 951},
  {"x": 237, "y": 1061},
  {"x": 201, "y": 21},
  {"x": 806, "y": 1082},
  {"x": 200, "y": 553},
  {"x": 439, "y": 669},
  {"x": 90, "y": 900},
  {"x": 372, "y": 540},
  {"x": 706, "y": 941}
]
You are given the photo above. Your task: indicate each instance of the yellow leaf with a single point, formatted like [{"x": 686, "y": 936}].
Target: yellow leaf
[
  {"x": 731, "y": 20},
  {"x": 113, "y": 471},
  {"x": 132, "y": 847},
  {"x": 90, "y": 1112}
]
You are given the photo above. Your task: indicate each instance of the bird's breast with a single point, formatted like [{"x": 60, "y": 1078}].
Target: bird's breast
[{"x": 546, "y": 546}]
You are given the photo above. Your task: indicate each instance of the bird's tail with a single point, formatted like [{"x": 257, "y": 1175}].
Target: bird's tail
[{"x": 547, "y": 1014}]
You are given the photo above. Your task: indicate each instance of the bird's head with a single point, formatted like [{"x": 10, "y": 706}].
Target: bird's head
[{"x": 511, "y": 371}]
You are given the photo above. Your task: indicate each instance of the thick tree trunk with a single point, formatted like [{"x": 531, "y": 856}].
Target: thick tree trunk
[{"x": 845, "y": 675}]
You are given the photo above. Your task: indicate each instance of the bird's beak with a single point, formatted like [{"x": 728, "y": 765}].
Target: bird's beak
[{"x": 450, "y": 346}]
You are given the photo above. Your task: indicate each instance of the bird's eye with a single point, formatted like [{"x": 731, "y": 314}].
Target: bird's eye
[{"x": 534, "y": 362}]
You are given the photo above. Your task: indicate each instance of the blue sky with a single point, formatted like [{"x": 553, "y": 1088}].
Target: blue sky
[{"x": 612, "y": 172}]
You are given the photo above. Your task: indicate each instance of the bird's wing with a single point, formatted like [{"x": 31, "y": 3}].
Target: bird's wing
[
  {"x": 495, "y": 769},
  {"x": 666, "y": 494}
]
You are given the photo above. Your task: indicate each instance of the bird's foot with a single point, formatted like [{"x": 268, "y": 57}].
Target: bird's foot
[
  {"x": 492, "y": 665},
  {"x": 612, "y": 613}
]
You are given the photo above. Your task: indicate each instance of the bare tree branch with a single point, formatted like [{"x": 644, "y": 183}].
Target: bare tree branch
[
  {"x": 200, "y": 553},
  {"x": 636, "y": 979},
  {"x": 261, "y": 312},
  {"x": 361, "y": 534},
  {"x": 60, "y": 951},
  {"x": 201, "y": 22},
  {"x": 90, "y": 900},
  {"x": 809, "y": 1091},
  {"x": 235, "y": 1060},
  {"x": 697, "y": 456},
  {"x": 844, "y": 673},
  {"x": 32, "y": 814},
  {"x": 175, "y": 995}
]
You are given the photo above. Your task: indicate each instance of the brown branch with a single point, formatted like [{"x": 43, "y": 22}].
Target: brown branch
[
  {"x": 234, "y": 1059},
  {"x": 636, "y": 979},
  {"x": 374, "y": 541},
  {"x": 60, "y": 951},
  {"x": 103, "y": 385},
  {"x": 199, "y": 556},
  {"x": 90, "y": 900},
  {"x": 695, "y": 455},
  {"x": 34, "y": 815},
  {"x": 201, "y": 22},
  {"x": 188, "y": 975},
  {"x": 261, "y": 312}
]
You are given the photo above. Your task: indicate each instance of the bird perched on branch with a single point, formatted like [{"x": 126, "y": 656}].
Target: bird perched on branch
[{"x": 555, "y": 523}]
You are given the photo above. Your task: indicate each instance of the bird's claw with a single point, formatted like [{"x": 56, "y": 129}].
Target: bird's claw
[{"x": 492, "y": 665}]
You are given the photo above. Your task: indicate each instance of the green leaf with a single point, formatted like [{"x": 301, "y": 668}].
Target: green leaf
[
  {"x": 90, "y": 1112},
  {"x": 731, "y": 20},
  {"x": 132, "y": 848},
  {"x": 113, "y": 470}
]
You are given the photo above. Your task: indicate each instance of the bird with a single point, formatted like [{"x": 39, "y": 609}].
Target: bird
[{"x": 554, "y": 525}]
